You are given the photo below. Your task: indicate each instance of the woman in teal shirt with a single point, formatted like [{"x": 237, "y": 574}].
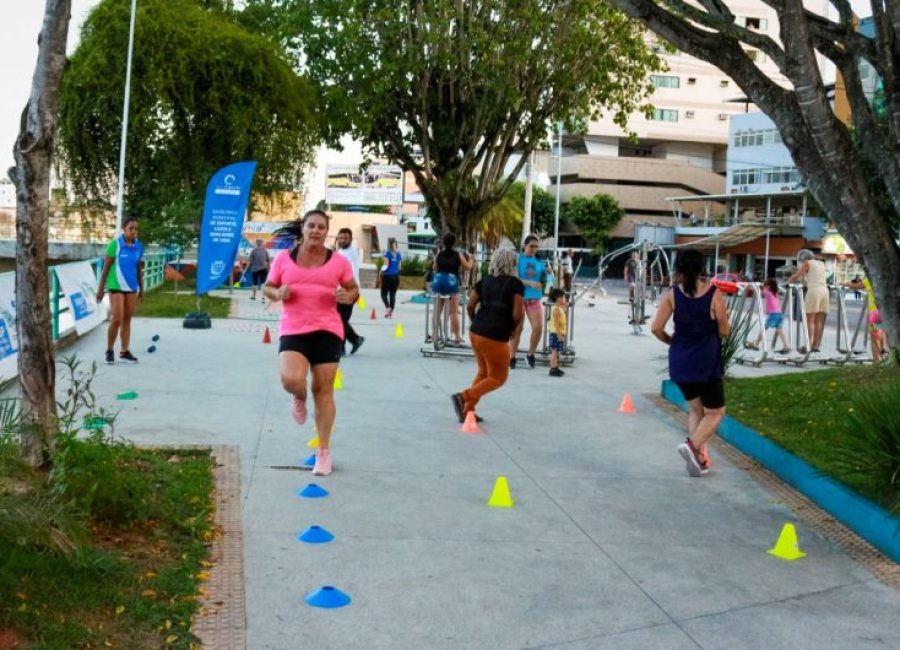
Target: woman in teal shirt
[{"x": 390, "y": 277}]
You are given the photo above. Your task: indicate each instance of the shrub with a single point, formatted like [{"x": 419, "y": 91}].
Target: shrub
[
  {"x": 872, "y": 455},
  {"x": 414, "y": 266}
]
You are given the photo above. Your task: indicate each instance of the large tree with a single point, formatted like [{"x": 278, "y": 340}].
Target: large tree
[
  {"x": 205, "y": 92},
  {"x": 594, "y": 216},
  {"x": 822, "y": 146},
  {"x": 450, "y": 90},
  {"x": 33, "y": 153}
]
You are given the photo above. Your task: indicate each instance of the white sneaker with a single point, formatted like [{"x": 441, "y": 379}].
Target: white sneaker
[{"x": 323, "y": 463}]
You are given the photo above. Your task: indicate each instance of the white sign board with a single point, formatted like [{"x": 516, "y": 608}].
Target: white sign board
[
  {"x": 374, "y": 185},
  {"x": 9, "y": 339},
  {"x": 78, "y": 282}
]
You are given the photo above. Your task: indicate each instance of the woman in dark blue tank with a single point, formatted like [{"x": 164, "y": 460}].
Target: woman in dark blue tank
[{"x": 695, "y": 353}]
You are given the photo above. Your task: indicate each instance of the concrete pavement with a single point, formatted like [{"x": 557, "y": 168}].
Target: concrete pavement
[{"x": 610, "y": 544}]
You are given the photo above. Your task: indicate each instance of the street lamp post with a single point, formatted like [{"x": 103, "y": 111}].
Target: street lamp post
[
  {"x": 559, "y": 130},
  {"x": 120, "y": 192}
]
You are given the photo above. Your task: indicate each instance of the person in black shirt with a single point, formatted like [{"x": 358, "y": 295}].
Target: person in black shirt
[
  {"x": 446, "y": 280},
  {"x": 496, "y": 307}
]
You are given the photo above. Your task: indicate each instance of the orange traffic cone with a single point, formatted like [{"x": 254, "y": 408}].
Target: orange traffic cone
[
  {"x": 373, "y": 316},
  {"x": 627, "y": 406},
  {"x": 267, "y": 338},
  {"x": 471, "y": 424}
]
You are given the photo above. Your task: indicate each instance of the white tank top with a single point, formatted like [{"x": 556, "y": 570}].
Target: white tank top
[{"x": 815, "y": 277}]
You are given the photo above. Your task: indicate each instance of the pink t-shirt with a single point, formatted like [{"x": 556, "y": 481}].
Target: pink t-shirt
[
  {"x": 773, "y": 305},
  {"x": 311, "y": 307}
]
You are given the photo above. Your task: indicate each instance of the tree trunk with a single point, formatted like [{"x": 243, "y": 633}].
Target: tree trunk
[{"x": 33, "y": 154}]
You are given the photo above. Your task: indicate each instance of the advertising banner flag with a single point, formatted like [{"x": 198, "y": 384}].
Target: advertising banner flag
[
  {"x": 78, "y": 281},
  {"x": 9, "y": 339},
  {"x": 227, "y": 195}
]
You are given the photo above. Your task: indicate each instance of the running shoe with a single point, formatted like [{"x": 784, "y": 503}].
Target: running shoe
[
  {"x": 357, "y": 344},
  {"x": 458, "y": 406},
  {"x": 125, "y": 355},
  {"x": 556, "y": 372},
  {"x": 690, "y": 459},
  {"x": 298, "y": 411},
  {"x": 388, "y": 313},
  {"x": 530, "y": 359},
  {"x": 110, "y": 358},
  {"x": 323, "y": 463}
]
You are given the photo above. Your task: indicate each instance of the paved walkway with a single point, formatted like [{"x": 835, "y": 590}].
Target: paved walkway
[{"x": 610, "y": 544}]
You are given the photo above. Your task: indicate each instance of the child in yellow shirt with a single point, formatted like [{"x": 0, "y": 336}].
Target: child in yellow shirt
[{"x": 558, "y": 328}]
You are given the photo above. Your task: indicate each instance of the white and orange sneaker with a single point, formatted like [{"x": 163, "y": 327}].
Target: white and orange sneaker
[
  {"x": 323, "y": 463},
  {"x": 298, "y": 411}
]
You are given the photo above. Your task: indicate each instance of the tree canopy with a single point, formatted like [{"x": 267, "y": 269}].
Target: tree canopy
[
  {"x": 822, "y": 146},
  {"x": 594, "y": 216},
  {"x": 451, "y": 90},
  {"x": 205, "y": 92}
]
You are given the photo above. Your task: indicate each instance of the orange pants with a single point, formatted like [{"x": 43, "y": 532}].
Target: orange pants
[{"x": 493, "y": 368}]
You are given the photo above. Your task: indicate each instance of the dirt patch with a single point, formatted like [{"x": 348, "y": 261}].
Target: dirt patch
[{"x": 10, "y": 639}]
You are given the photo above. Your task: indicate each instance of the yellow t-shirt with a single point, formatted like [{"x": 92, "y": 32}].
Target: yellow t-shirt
[
  {"x": 558, "y": 321},
  {"x": 870, "y": 295}
]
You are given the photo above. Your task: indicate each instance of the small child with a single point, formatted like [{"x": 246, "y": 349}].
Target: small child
[
  {"x": 774, "y": 317},
  {"x": 558, "y": 329}
]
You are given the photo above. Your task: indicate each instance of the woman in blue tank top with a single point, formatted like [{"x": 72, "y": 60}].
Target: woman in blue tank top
[{"x": 695, "y": 353}]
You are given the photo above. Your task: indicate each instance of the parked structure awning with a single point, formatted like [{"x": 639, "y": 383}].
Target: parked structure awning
[{"x": 733, "y": 236}]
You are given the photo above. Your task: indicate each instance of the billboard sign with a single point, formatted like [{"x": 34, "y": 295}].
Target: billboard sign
[{"x": 374, "y": 185}]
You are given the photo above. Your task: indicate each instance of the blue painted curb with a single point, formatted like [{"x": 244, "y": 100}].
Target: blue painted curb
[{"x": 867, "y": 519}]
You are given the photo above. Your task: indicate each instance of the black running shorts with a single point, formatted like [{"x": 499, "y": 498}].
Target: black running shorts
[
  {"x": 318, "y": 347},
  {"x": 711, "y": 393}
]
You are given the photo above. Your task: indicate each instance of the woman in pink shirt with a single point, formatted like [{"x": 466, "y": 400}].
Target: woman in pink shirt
[{"x": 310, "y": 280}]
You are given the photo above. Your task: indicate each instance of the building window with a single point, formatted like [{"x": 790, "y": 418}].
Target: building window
[
  {"x": 665, "y": 81},
  {"x": 756, "y": 137},
  {"x": 766, "y": 176},
  {"x": 692, "y": 81},
  {"x": 756, "y": 24},
  {"x": 664, "y": 115},
  {"x": 724, "y": 83}
]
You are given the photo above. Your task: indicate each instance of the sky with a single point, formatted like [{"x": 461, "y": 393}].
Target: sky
[{"x": 20, "y": 24}]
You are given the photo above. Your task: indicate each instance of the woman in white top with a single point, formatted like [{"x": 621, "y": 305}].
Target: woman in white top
[{"x": 817, "y": 303}]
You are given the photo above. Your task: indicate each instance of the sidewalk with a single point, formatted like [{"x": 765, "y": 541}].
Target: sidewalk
[{"x": 610, "y": 544}]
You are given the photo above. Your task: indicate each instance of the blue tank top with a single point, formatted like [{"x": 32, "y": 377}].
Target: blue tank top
[{"x": 696, "y": 351}]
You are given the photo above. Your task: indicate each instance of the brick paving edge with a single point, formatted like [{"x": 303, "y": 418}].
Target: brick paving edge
[{"x": 220, "y": 620}]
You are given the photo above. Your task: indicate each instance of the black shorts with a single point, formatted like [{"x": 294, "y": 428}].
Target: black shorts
[
  {"x": 259, "y": 276},
  {"x": 711, "y": 393},
  {"x": 318, "y": 347}
]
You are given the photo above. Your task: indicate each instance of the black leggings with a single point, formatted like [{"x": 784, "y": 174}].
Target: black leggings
[{"x": 389, "y": 286}]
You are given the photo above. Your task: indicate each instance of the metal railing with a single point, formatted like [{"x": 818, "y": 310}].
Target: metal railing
[{"x": 154, "y": 275}]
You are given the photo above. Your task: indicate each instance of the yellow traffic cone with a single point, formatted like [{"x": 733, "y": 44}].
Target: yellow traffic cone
[
  {"x": 313, "y": 443},
  {"x": 787, "y": 547},
  {"x": 398, "y": 331},
  {"x": 361, "y": 302},
  {"x": 500, "y": 497},
  {"x": 339, "y": 380}
]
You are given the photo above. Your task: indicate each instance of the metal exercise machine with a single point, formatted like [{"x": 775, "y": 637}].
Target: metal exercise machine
[
  {"x": 748, "y": 304},
  {"x": 846, "y": 346}
]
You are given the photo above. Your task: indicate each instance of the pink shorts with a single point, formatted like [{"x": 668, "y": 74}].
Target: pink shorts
[{"x": 534, "y": 305}]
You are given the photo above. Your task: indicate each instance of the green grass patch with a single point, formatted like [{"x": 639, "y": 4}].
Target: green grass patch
[
  {"x": 163, "y": 302},
  {"x": 813, "y": 415},
  {"x": 76, "y": 573}
]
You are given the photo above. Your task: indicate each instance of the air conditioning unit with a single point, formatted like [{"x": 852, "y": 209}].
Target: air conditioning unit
[
  {"x": 723, "y": 116},
  {"x": 689, "y": 115}
]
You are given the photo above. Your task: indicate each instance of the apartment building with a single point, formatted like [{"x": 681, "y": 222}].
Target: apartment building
[{"x": 680, "y": 148}]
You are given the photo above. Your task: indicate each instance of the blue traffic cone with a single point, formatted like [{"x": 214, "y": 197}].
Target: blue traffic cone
[
  {"x": 328, "y": 597},
  {"x": 155, "y": 338},
  {"x": 315, "y": 535},
  {"x": 151, "y": 349},
  {"x": 313, "y": 491},
  {"x": 309, "y": 461}
]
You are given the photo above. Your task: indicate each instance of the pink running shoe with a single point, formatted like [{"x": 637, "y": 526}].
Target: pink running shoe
[
  {"x": 323, "y": 463},
  {"x": 388, "y": 313},
  {"x": 298, "y": 411}
]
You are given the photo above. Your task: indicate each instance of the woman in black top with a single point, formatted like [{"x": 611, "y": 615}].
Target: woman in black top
[
  {"x": 446, "y": 280},
  {"x": 496, "y": 307}
]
